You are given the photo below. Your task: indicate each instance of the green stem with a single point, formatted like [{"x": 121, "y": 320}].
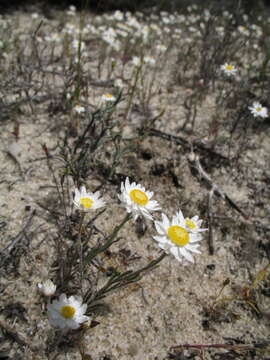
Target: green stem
[
  {"x": 120, "y": 280},
  {"x": 133, "y": 91},
  {"x": 80, "y": 249},
  {"x": 110, "y": 240}
]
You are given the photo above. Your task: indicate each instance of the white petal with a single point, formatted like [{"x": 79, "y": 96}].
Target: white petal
[
  {"x": 193, "y": 248},
  {"x": 194, "y": 237},
  {"x": 83, "y": 191},
  {"x": 166, "y": 222},
  {"x": 160, "y": 228},
  {"x": 127, "y": 184},
  {"x": 164, "y": 246},
  {"x": 153, "y": 205},
  {"x": 161, "y": 239},
  {"x": 72, "y": 324},
  {"x": 175, "y": 221},
  {"x": 181, "y": 217},
  {"x": 62, "y": 298},
  {"x": 186, "y": 254},
  {"x": 174, "y": 250},
  {"x": 77, "y": 193},
  {"x": 195, "y": 218}
]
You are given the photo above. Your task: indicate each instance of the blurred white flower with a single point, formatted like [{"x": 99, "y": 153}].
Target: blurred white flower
[
  {"x": 220, "y": 30},
  {"x": 137, "y": 200},
  {"x": 76, "y": 44},
  {"x": 166, "y": 20},
  {"x": 136, "y": 61},
  {"x": 229, "y": 69},
  {"x": 118, "y": 15},
  {"x": 161, "y": 48},
  {"x": 124, "y": 27},
  {"x": 258, "y": 110},
  {"x": 145, "y": 32},
  {"x": 108, "y": 98},
  {"x": 109, "y": 36},
  {"x": 70, "y": 29},
  {"x": 193, "y": 224},
  {"x": 122, "y": 33},
  {"x": 34, "y": 16},
  {"x": 206, "y": 14},
  {"x": 86, "y": 201},
  {"x": 132, "y": 21},
  {"x": 47, "y": 288},
  {"x": 67, "y": 313},
  {"x": 71, "y": 10},
  {"x": 149, "y": 60},
  {"x": 155, "y": 28},
  {"x": 177, "y": 238},
  {"x": 54, "y": 37},
  {"x": 119, "y": 83},
  {"x": 79, "y": 109},
  {"x": 243, "y": 30}
]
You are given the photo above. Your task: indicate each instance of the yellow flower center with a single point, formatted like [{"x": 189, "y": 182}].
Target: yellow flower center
[
  {"x": 68, "y": 311},
  {"x": 108, "y": 96},
  {"x": 178, "y": 235},
  {"x": 229, "y": 67},
  {"x": 87, "y": 202},
  {"x": 139, "y": 197},
  {"x": 191, "y": 224},
  {"x": 258, "y": 109}
]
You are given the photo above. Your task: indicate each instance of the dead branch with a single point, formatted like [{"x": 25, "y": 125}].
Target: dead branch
[
  {"x": 222, "y": 346},
  {"x": 187, "y": 144},
  {"x": 195, "y": 162},
  {"x": 15, "y": 336},
  {"x": 210, "y": 223}
]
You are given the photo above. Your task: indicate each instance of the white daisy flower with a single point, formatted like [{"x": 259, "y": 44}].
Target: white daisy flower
[
  {"x": 175, "y": 237},
  {"x": 108, "y": 98},
  {"x": 136, "y": 61},
  {"x": 54, "y": 37},
  {"x": 229, "y": 69},
  {"x": 47, "y": 288},
  {"x": 149, "y": 60},
  {"x": 35, "y": 16},
  {"x": 67, "y": 313},
  {"x": 161, "y": 48},
  {"x": 258, "y": 110},
  {"x": 193, "y": 224},
  {"x": 137, "y": 201},
  {"x": 119, "y": 83},
  {"x": 118, "y": 15},
  {"x": 243, "y": 30},
  {"x": 79, "y": 109},
  {"x": 87, "y": 200},
  {"x": 76, "y": 44},
  {"x": 71, "y": 10}
]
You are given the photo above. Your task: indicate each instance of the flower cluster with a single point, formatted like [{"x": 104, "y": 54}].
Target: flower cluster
[
  {"x": 180, "y": 236},
  {"x": 257, "y": 110}
]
